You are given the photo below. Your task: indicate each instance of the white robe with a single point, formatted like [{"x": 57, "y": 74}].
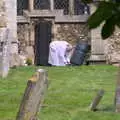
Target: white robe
[{"x": 57, "y": 51}]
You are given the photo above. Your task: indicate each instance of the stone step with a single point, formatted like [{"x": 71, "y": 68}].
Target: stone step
[{"x": 97, "y": 59}]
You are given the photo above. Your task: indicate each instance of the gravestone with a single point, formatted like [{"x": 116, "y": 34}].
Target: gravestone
[
  {"x": 4, "y": 44},
  {"x": 4, "y": 53},
  {"x": 33, "y": 96},
  {"x": 8, "y": 34}
]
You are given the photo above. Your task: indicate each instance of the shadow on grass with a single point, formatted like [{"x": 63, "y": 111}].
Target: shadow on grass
[{"x": 110, "y": 108}]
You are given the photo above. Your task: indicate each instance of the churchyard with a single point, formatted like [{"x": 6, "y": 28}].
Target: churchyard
[{"x": 70, "y": 92}]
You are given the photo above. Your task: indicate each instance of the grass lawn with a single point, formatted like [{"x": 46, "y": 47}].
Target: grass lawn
[{"x": 70, "y": 92}]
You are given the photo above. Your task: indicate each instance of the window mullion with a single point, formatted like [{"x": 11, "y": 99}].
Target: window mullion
[
  {"x": 31, "y": 5},
  {"x": 71, "y": 7},
  {"x": 51, "y": 4}
]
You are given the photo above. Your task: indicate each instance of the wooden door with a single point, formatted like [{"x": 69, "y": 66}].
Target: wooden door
[{"x": 42, "y": 40}]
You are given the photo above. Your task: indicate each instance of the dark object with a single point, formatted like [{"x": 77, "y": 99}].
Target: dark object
[
  {"x": 22, "y": 5},
  {"x": 42, "y": 40},
  {"x": 80, "y": 53},
  {"x": 41, "y": 4}
]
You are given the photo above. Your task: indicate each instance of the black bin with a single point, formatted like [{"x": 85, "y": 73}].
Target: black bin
[{"x": 79, "y": 53}]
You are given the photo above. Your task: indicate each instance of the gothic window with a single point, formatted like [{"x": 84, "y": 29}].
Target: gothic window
[
  {"x": 62, "y": 4},
  {"x": 42, "y": 4},
  {"x": 80, "y": 8},
  {"x": 21, "y": 5}
]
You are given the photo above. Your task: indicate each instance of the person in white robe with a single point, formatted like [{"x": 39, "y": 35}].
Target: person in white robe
[{"x": 58, "y": 53}]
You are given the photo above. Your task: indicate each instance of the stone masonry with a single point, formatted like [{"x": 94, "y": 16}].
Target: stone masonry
[
  {"x": 23, "y": 37},
  {"x": 112, "y": 49},
  {"x": 69, "y": 28},
  {"x": 71, "y": 32}
]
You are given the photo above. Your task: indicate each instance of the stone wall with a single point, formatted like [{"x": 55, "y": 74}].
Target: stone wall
[
  {"x": 23, "y": 36},
  {"x": 71, "y": 32},
  {"x": 26, "y": 43},
  {"x": 112, "y": 48}
]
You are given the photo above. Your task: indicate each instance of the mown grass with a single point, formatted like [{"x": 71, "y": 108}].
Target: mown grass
[{"x": 69, "y": 95}]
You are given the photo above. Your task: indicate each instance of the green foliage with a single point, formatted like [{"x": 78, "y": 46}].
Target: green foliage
[
  {"x": 87, "y": 1},
  {"x": 29, "y": 61},
  {"x": 108, "y": 14},
  {"x": 108, "y": 28},
  {"x": 103, "y": 12}
]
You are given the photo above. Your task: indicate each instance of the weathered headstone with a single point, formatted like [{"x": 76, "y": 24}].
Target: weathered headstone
[
  {"x": 117, "y": 99},
  {"x": 4, "y": 56},
  {"x": 117, "y": 93},
  {"x": 33, "y": 96},
  {"x": 8, "y": 34},
  {"x": 96, "y": 100}
]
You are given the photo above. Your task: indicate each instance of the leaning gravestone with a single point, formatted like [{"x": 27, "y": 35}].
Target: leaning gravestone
[
  {"x": 117, "y": 93},
  {"x": 96, "y": 100},
  {"x": 34, "y": 96}
]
